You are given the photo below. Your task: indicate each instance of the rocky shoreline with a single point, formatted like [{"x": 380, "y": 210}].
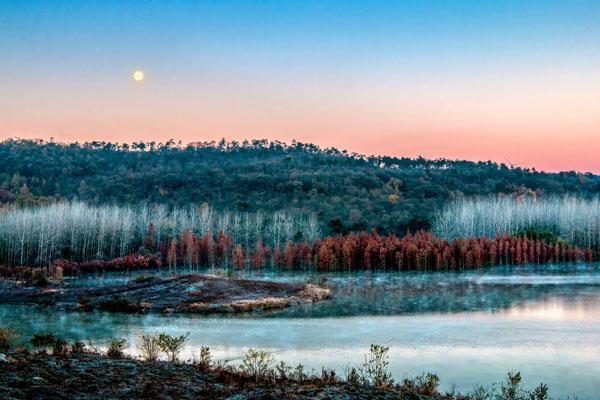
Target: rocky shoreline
[
  {"x": 185, "y": 293},
  {"x": 94, "y": 376}
]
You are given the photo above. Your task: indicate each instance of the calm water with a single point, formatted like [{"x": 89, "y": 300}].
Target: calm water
[{"x": 469, "y": 328}]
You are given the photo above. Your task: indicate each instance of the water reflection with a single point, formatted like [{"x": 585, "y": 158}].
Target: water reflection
[
  {"x": 557, "y": 309},
  {"x": 391, "y": 293}
]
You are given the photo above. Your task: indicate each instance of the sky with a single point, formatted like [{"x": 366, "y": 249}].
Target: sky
[{"x": 509, "y": 81}]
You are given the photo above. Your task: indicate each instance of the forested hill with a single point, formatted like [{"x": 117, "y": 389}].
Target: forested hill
[{"x": 347, "y": 191}]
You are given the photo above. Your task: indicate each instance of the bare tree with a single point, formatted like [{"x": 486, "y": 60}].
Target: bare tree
[{"x": 574, "y": 219}]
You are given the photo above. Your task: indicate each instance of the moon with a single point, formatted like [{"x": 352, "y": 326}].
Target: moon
[{"x": 138, "y": 75}]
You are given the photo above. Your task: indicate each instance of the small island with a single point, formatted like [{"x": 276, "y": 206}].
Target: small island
[{"x": 192, "y": 293}]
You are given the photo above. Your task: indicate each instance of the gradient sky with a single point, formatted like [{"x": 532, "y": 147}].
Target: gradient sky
[{"x": 500, "y": 80}]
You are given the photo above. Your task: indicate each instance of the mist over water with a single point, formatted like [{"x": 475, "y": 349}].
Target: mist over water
[{"x": 470, "y": 328}]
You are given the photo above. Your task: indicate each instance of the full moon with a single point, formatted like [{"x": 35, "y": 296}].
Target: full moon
[{"x": 138, "y": 75}]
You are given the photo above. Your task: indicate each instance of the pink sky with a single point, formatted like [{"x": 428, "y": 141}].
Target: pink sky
[{"x": 549, "y": 122}]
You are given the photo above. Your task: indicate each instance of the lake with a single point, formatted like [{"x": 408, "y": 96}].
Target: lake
[{"x": 468, "y": 327}]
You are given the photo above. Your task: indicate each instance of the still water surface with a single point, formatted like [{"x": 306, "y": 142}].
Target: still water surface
[{"x": 470, "y": 328}]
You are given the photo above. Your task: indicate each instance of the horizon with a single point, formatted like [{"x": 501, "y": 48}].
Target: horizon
[
  {"x": 182, "y": 145},
  {"x": 514, "y": 83}
]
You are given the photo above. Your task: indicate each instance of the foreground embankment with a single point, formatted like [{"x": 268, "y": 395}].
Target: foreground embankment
[
  {"x": 83, "y": 374},
  {"x": 185, "y": 293}
]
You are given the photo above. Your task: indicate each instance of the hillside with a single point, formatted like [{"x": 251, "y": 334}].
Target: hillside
[{"x": 348, "y": 191}]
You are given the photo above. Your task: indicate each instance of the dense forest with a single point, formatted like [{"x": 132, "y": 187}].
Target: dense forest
[{"x": 346, "y": 191}]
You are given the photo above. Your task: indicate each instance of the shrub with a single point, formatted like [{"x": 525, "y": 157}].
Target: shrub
[
  {"x": 148, "y": 347},
  {"x": 539, "y": 393},
  {"x": 8, "y": 336},
  {"x": 511, "y": 388},
  {"x": 283, "y": 371},
  {"x": 481, "y": 393},
  {"x": 425, "y": 384},
  {"x": 375, "y": 367},
  {"x": 352, "y": 377},
  {"x": 171, "y": 345},
  {"x": 116, "y": 346},
  {"x": 60, "y": 348},
  {"x": 299, "y": 374},
  {"x": 41, "y": 343},
  {"x": 256, "y": 363},
  {"x": 78, "y": 347},
  {"x": 204, "y": 361},
  {"x": 328, "y": 375}
]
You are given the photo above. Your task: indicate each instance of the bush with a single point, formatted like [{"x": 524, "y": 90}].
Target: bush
[
  {"x": 511, "y": 388},
  {"x": 481, "y": 393},
  {"x": 148, "y": 347},
  {"x": 204, "y": 361},
  {"x": 42, "y": 342},
  {"x": 352, "y": 377},
  {"x": 8, "y": 336},
  {"x": 375, "y": 367},
  {"x": 425, "y": 384},
  {"x": 116, "y": 346},
  {"x": 171, "y": 345},
  {"x": 77, "y": 347},
  {"x": 328, "y": 375},
  {"x": 60, "y": 348},
  {"x": 256, "y": 364},
  {"x": 282, "y": 371},
  {"x": 428, "y": 383},
  {"x": 539, "y": 393},
  {"x": 299, "y": 373}
]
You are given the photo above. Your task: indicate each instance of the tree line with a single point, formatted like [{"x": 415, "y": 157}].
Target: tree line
[
  {"x": 346, "y": 191},
  {"x": 351, "y": 252},
  {"x": 421, "y": 251}
]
